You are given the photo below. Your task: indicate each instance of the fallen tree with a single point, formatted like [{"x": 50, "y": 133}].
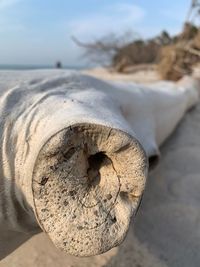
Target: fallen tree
[
  {"x": 75, "y": 153},
  {"x": 121, "y": 52},
  {"x": 175, "y": 56},
  {"x": 178, "y": 59}
]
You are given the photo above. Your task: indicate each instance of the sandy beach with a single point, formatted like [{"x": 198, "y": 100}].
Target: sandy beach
[
  {"x": 166, "y": 232},
  {"x": 142, "y": 76}
]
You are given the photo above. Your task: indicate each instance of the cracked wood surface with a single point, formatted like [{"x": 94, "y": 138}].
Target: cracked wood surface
[
  {"x": 99, "y": 120},
  {"x": 94, "y": 179}
]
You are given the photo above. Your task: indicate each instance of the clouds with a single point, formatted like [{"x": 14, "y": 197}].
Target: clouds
[{"x": 115, "y": 18}]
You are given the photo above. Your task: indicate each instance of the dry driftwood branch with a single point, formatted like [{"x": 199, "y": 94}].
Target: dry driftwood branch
[
  {"x": 102, "y": 50},
  {"x": 74, "y": 156},
  {"x": 193, "y": 10},
  {"x": 192, "y": 51}
]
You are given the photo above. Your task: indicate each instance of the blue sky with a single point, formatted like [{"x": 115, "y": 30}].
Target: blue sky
[{"x": 39, "y": 31}]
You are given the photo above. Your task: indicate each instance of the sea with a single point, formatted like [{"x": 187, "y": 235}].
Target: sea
[{"x": 36, "y": 67}]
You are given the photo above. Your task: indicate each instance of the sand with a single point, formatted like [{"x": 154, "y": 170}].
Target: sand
[
  {"x": 147, "y": 76},
  {"x": 166, "y": 231}
]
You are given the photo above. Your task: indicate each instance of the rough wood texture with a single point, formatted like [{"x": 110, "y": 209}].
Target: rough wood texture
[
  {"x": 71, "y": 159},
  {"x": 88, "y": 181}
]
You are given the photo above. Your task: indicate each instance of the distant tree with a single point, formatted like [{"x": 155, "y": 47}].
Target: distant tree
[
  {"x": 178, "y": 59},
  {"x": 164, "y": 38},
  {"x": 102, "y": 50},
  {"x": 121, "y": 52}
]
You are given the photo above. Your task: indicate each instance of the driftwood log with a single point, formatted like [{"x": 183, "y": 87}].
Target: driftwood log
[{"x": 74, "y": 156}]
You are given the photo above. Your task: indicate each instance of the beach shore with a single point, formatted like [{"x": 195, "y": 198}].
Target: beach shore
[{"x": 142, "y": 76}]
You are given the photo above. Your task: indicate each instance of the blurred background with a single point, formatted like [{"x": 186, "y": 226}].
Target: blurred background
[{"x": 44, "y": 34}]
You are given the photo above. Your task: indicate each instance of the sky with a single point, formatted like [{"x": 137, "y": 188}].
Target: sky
[{"x": 38, "y": 32}]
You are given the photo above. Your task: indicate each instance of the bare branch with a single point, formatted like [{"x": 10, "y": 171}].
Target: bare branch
[{"x": 103, "y": 50}]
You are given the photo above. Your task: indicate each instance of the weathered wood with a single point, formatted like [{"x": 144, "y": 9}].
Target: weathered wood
[{"x": 74, "y": 155}]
